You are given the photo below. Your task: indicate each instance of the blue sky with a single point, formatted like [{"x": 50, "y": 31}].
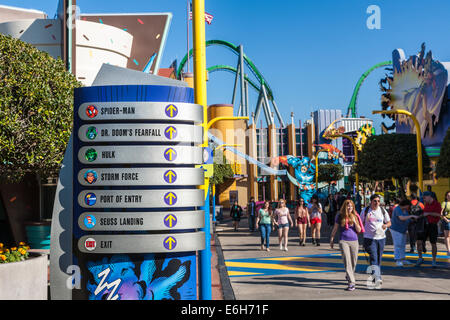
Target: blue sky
[{"x": 311, "y": 52}]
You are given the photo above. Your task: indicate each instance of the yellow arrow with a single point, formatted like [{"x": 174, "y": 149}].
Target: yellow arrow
[
  {"x": 170, "y": 197},
  {"x": 170, "y": 174},
  {"x": 171, "y": 219},
  {"x": 171, "y": 131},
  {"x": 171, "y": 108},
  {"x": 170, "y": 241},
  {"x": 170, "y": 152}
]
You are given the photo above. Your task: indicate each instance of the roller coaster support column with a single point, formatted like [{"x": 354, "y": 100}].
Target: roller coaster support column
[
  {"x": 241, "y": 71},
  {"x": 198, "y": 18},
  {"x": 418, "y": 140}
]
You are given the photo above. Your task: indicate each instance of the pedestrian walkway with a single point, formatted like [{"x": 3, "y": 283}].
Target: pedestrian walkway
[
  {"x": 331, "y": 262},
  {"x": 313, "y": 272}
]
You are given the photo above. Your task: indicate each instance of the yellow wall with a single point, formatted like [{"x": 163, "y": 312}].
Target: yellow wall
[{"x": 230, "y": 132}]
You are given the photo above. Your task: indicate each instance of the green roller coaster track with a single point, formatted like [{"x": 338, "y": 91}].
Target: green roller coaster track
[
  {"x": 234, "y": 49},
  {"x": 351, "y": 109},
  {"x": 352, "y": 105}
]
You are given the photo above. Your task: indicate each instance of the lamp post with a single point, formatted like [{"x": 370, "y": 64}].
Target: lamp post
[
  {"x": 418, "y": 140},
  {"x": 355, "y": 149}
]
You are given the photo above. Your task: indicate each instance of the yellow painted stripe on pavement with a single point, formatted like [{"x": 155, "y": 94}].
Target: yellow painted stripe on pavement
[
  {"x": 275, "y": 266},
  {"x": 415, "y": 258},
  {"x": 241, "y": 273}
]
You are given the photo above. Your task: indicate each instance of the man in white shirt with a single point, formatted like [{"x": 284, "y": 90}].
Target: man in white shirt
[{"x": 376, "y": 221}]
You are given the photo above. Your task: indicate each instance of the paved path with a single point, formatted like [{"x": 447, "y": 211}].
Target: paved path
[{"x": 312, "y": 272}]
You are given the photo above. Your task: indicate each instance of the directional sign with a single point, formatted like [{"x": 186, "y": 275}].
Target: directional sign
[
  {"x": 171, "y": 132},
  {"x": 170, "y": 154},
  {"x": 134, "y": 132},
  {"x": 141, "y": 198},
  {"x": 170, "y": 220},
  {"x": 140, "y": 221},
  {"x": 171, "y": 111},
  {"x": 170, "y": 242},
  {"x": 170, "y": 176},
  {"x": 140, "y": 154},
  {"x": 101, "y": 111},
  {"x": 170, "y": 198},
  {"x": 140, "y": 177},
  {"x": 130, "y": 243}
]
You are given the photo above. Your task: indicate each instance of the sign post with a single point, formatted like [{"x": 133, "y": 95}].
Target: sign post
[{"x": 137, "y": 208}]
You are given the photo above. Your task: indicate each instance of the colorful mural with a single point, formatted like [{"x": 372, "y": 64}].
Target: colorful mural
[{"x": 149, "y": 277}]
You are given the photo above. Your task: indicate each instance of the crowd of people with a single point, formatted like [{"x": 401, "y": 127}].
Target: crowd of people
[{"x": 413, "y": 218}]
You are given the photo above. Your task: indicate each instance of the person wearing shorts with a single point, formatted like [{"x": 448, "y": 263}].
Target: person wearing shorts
[
  {"x": 432, "y": 211},
  {"x": 301, "y": 218},
  {"x": 283, "y": 220},
  {"x": 315, "y": 215}
]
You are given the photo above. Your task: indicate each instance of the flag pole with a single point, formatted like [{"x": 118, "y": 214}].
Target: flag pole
[{"x": 187, "y": 24}]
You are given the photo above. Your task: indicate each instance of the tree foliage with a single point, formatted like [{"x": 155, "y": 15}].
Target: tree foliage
[
  {"x": 391, "y": 156},
  {"x": 330, "y": 172},
  {"x": 443, "y": 164},
  {"x": 222, "y": 169},
  {"x": 36, "y": 110}
]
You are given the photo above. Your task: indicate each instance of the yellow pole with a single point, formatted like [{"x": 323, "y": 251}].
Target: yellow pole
[
  {"x": 418, "y": 140},
  {"x": 200, "y": 96},
  {"x": 204, "y": 256},
  {"x": 355, "y": 148},
  {"x": 210, "y": 123},
  {"x": 228, "y": 145}
]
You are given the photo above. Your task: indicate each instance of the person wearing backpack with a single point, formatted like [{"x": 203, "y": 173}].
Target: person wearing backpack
[
  {"x": 349, "y": 224},
  {"x": 416, "y": 210},
  {"x": 375, "y": 220},
  {"x": 446, "y": 220}
]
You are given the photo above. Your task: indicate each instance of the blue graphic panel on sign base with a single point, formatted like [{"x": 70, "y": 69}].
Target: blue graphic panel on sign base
[
  {"x": 127, "y": 275},
  {"x": 144, "y": 277}
]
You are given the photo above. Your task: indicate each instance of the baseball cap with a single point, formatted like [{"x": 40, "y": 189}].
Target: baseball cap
[{"x": 427, "y": 193}]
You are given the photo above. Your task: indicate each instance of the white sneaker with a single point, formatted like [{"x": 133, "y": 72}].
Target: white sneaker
[
  {"x": 399, "y": 263},
  {"x": 281, "y": 247},
  {"x": 285, "y": 249},
  {"x": 378, "y": 283}
]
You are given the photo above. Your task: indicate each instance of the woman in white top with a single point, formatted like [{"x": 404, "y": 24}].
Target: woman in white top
[{"x": 283, "y": 220}]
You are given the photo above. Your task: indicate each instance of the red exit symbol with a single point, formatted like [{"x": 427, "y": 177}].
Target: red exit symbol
[{"x": 90, "y": 244}]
